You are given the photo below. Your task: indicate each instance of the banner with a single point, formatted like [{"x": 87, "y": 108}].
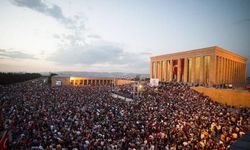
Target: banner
[{"x": 154, "y": 82}]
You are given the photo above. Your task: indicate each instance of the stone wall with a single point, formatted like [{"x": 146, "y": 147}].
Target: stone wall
[{"x": 227, "y": 96}]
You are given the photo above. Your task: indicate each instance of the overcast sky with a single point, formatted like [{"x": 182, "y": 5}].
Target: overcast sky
[{"x": 115, "y": 35}]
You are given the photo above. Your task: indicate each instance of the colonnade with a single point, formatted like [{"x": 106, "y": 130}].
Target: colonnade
[
  {"x": 189, "y": 69},
  {"x": 207, "y": 70},
  {"x": 230, "y": 71},
  {"x": 205, "y": 66},
  {"x": 91, "y": 82}
]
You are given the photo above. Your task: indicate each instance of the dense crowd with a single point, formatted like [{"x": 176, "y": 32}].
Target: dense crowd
[{"x": 171, "y": 116}]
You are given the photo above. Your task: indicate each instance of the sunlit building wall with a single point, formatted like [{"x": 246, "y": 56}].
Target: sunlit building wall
[
  {"x": 83, "y": 81},
  {"x": 206, "y": 66}
]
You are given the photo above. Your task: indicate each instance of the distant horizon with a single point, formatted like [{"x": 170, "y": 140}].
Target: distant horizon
[
  {"x": 131, "y": 72},
  {"x": 73, "y": 71}
]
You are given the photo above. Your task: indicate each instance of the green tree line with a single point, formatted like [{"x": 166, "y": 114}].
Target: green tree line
[{"x": 10, "y": 78}]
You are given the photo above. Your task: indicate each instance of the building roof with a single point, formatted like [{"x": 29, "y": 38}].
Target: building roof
[
  {"x": 112, "y": 75},
  {"x": 88, "y": 77},
  {"x": 72, "y": 76},
  {"x": 208, "y": 50}
]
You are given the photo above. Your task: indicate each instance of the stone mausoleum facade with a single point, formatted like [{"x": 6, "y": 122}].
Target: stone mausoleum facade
[{"x": 205, "y": 66}]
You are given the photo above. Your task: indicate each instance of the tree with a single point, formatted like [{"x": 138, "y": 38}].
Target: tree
[{"x": 10, "y": 78}]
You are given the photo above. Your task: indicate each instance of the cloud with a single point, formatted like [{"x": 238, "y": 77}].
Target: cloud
[
  {"x": 242, "y": 21},
  {"x": 56, "y": 36},
  {"x": 39, "y": 6},
  {"x": 104, "y": 54},
  {"x": 145, "y": 53},
  {"x": 74, "y": 48},
  {"x": 15, "y": 54},
  {"x": 87, "y": 54},
  {"x": 94, "y": 36},
  {"x": 76, "y": 24}
]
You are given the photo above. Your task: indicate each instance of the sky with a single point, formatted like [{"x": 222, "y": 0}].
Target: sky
[{"x": 115, "y": 35}]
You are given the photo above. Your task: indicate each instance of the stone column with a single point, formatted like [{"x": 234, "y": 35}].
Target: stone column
[
  {"x": 162, "y": 71},
  {"x": 233, "y": 73},
  {"x": 241, "y": 70},
  {"x": 156, "y": 69},
  {"x": 159, "y": 70},
  {"x": 241, "y": 74},
  {"x": 171, "y": 70},
  {"x": 212, "y": 69},
  {"x": 228, "y": 71},
  {"x": 179, "y": 70},
  {"x": 202, "y": 70},
  {"x": 245, "y": 72},
  {"x": 216, "y": 71},
  {"x": 159, "y": 63},
  {"x": 219, "y": 70},
  {"x": 226, "y": 75},
  {"x": 237, "y": 72},
  {"x": 165, "y": 70},
  {"x": 224, "y": 70},
  {"x": 185, "y": 69},
  {"x": 229, "y": 74},
  {"x": 193, "y": 70},
  {"x": 231, "y": 67}
]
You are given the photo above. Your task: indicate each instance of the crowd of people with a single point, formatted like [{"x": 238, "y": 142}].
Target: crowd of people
[{"x": 172, "y": 116}]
